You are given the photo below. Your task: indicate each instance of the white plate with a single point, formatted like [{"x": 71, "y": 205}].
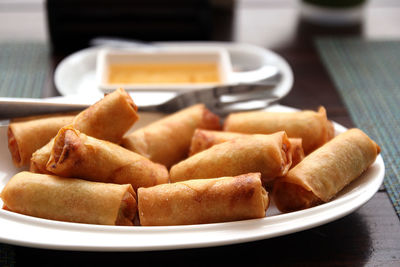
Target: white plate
[
  {"x": 30, "y": 231},
  {"x": 76, "y": 74}
]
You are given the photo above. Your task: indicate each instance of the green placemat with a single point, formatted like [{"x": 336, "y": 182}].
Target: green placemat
[
  {"x": 23, "y": 71},
  {"x": 23, "y": 68},
  {"x": 367, "y": 75}
]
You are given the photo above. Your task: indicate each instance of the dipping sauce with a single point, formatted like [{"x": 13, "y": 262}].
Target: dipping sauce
[{"x": 163, "y": 73}]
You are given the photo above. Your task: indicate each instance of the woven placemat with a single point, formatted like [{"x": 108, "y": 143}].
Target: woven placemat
[
  {"x": 367, "y": 75},
  {"x": 23, "y": 71},
  {"x": 24, "y": 67}
]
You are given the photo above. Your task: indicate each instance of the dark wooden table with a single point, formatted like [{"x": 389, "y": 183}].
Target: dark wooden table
[{"x": 369, "y": 236}]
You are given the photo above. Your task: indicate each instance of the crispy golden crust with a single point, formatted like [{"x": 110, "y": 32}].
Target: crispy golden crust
[
  {"x": 75, "y": 154},
  {"x": 109, "y": 118},
  {"x": 326, "y": 171},
  {"x": 203, "y": 201},
  {"x": 167, "y": 141},
  {"x": 267, "y": 154},
  {"x": 71, "y": 200},
  {"x": 312, "y": 127},
  {"x": 204, "y": 139},
  {"x": 27, "y": 135}
]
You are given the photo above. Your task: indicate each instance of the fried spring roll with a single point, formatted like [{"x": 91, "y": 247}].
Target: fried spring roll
[
  {"x": 75, "y": 154},
  {"x": 167, "y": 141},
  {"x": 267, "y": 154},
  {"x": 108, "y": 119},
  {"x": 26, "y": 135},
  {"x": 312, "y": 127},
  {"x": 203, "y": 201},
  {"x": 204, "y": 139},
  {"x": 71, "y": 200},
  {"x": 326, "y": 171}
]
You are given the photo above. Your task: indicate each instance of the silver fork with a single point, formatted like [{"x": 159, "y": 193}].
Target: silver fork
[
  {"x": 224, "y": 99},
  {"x": 220, "y": 100}
]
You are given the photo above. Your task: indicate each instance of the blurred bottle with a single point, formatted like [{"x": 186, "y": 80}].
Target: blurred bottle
[{"x": 333, "y": 12}]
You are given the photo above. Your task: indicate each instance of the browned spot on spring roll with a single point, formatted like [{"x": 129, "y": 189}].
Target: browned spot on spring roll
[
  {"x": 326, "y": 171},
  {"x": 71, "y": 200},
  {"x": 75, "y": 154},
  {"x": 167, "y": 141},
  {"x": 204, "y": 139},
  {"x": 26, "y": 135},
  {"x": 312, "y": 127},
  {"x": 267, "y": 154},
  {"x": 203, "y": 201},
  {"x": 108, "y": 119}
]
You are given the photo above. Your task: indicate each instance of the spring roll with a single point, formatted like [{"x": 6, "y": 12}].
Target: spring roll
[
  {"x": 167, "y": 141},
  {"x": 326, "y": 171},
  {"x": 71, "y": 200},
  {"x": 267, "y": 154},
  {"x": 108, "y": 119},
  {"x": 78, "y": 155},
  {"x": 27, "y": 135},
  {"x": 204, "y": 139},
  {"x": 203, "y": 201},
  {"x": 312, "y": 127}
]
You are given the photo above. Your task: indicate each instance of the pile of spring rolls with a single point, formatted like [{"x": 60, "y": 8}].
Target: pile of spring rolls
[{"x": 185, "y": 168}]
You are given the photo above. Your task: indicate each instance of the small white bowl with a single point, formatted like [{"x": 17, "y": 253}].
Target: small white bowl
[{"x": 218, "y": 56}]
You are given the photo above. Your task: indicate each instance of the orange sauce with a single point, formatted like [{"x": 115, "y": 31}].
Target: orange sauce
[{"x": 163, "y": 73}]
